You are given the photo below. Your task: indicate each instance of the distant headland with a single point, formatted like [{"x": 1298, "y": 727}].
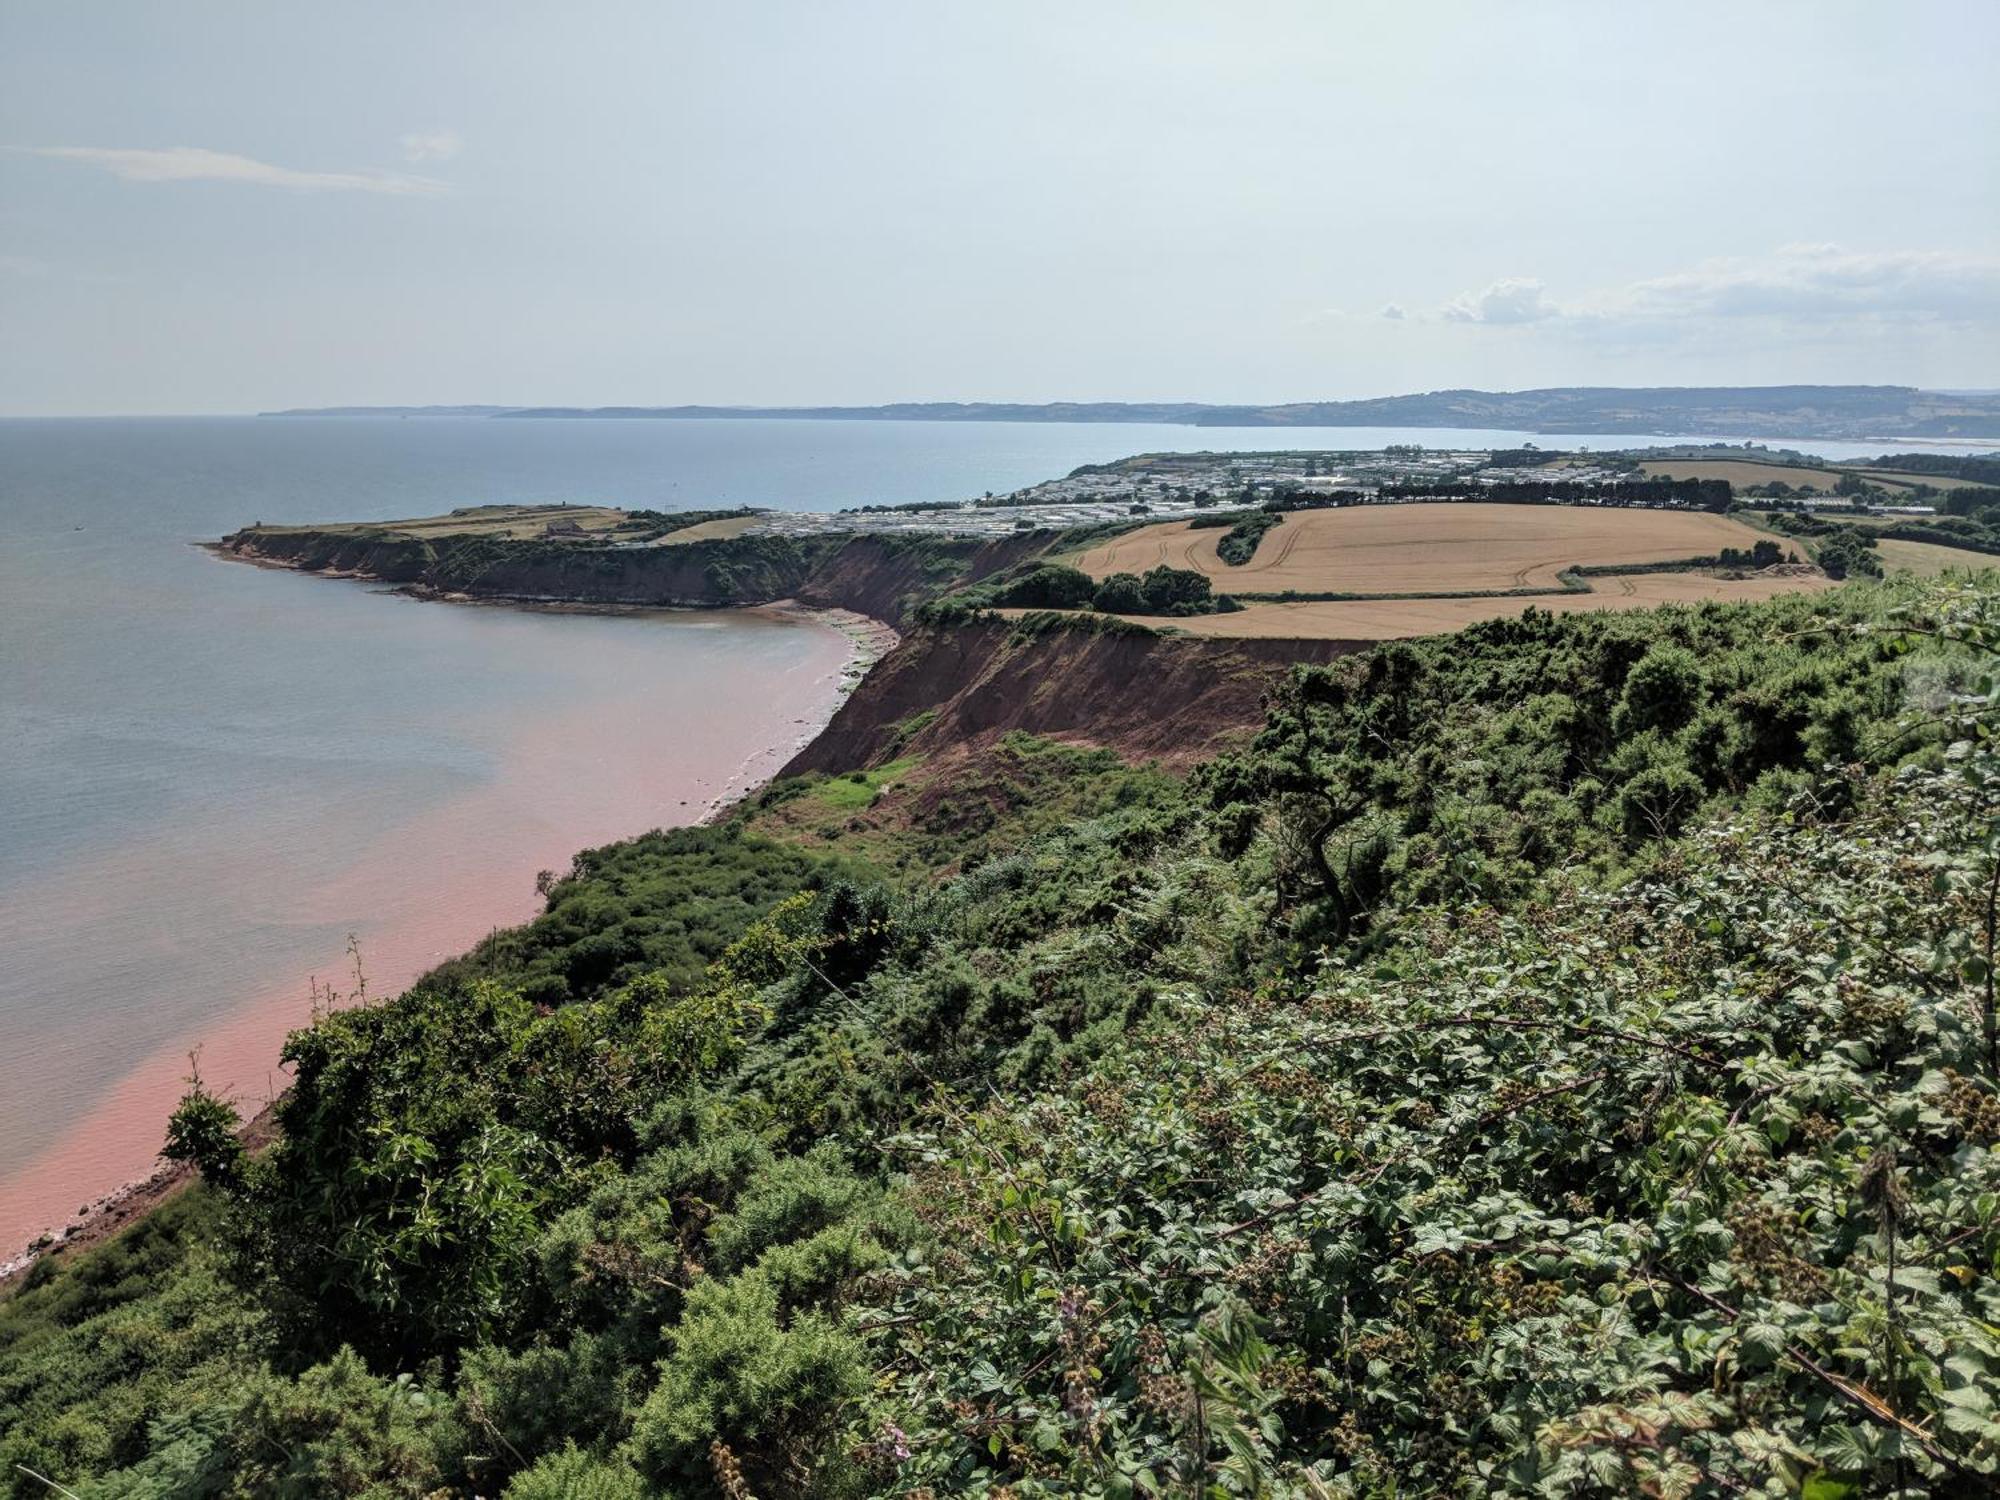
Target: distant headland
[{"x": 1799, "y": 411}]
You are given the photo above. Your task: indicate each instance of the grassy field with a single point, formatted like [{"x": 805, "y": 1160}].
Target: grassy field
[
  {"x": 1742, "y": 472},
  {"x": 514, "y": 522},
  {"x": 1422, "y": 549},
  {"x": 1887, "y": 477},
  {"x": 709, "y": 531},
  {"x": 1926, "y": 560}
]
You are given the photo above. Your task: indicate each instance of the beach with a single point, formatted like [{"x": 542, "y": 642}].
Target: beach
[{"x": 428, "y": 886}]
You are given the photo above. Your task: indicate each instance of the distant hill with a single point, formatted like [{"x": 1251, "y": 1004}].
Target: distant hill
[{"x": 1803, "y": 411}]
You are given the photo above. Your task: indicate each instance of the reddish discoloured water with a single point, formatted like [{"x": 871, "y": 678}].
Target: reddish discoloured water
[{"x": 636, "y": 753}]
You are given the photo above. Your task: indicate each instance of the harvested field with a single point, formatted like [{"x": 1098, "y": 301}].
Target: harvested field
[
  {"x": 1396, "y": 619},
  {"x": 1927, "y": 560},
  {"x": 1426, "y": 549}
]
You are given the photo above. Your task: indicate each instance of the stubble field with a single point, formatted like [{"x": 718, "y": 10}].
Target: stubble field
[
  {"x": 1426, "y": 549},
  {"x": 1399, "y": 619}
]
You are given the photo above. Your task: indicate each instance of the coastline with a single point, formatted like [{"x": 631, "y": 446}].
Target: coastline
[{"x": 103, "y": 1215}]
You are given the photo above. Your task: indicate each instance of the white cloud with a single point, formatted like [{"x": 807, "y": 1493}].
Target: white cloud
[
  {"x": 432, "y": 145},
  {"x": 1822, "y": 281},
  {"x": 1512, "y": 299},
  {"x": 1806, "y": 285},
  {"x": 195, "y": 164},
  {"x": 1393, "y": 312}
]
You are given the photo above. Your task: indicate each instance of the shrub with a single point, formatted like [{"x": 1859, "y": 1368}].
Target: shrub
[
  {"x": 572, "y": 1474},
  {"x": 1656, "y": 803},
  {"x": 1239, "y": 544},
  {"x": 1849, "y": 551},
  {"x": 767, "y": 1388},
  {"x": 1049, "y": 586},
  {"x": 1662, "y": 692}
]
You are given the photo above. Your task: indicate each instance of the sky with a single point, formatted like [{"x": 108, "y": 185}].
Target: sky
[{"x": 227, "y": 207}]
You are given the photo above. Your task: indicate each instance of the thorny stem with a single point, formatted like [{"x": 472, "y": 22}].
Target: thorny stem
[
  {"x": 1519, "y": 1023},
  {"x": 60, "y": 1489},
  {"x": 1992, "y": 1023},
  {"x": 1854, "y": 1392}
]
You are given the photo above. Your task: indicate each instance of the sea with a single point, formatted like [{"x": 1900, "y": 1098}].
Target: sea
[{"x": 227, "y": 791}]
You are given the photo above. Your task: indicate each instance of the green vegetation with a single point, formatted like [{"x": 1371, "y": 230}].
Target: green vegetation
[
  {"x": 1841, "y": 550},
  {"x": 857, "y": 789},
  {"x": 1683, "y": 1189},
  {"x": 1973, "y": 469},
  {"x": 1239, "y": 542},
  {"x": 1759, "y": 555},
  {"x": 1159, "y": 591},
  {"x": 911, "y": 821},
  {"x": 1557, "y": 1059},
  {"x": 1461, "y": 767},
  {"x": 1848, "y": 552},
  {"x": 667, "y": 903},
  {"x": 1671, "y": 494},
  {"x": 1056, "y": 586}
]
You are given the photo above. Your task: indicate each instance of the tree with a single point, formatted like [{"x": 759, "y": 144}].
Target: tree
[
  {"x": 202, "y": 1130},
  {"x": 1849, "y": 551},
  {"x": 1176, "y": 590},
  {"x": 1120, "y": 594}
]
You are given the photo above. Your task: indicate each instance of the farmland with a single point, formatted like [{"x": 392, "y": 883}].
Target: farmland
[
  {"x": 510, "y": 522},
  {"x": 1745, "y": 472},
  {"x": 1426, "y": 549},
  {"x": 720, "y": 529},
  {"x": 1927, "y": 560},
  {"x": 1400, "y": 619}
]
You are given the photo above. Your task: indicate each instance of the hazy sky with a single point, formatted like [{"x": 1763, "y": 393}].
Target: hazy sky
[{"x": 224, "y": 207}]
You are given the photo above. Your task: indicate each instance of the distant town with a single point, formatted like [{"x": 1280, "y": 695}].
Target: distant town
[{"x": 1172, "y": 486}]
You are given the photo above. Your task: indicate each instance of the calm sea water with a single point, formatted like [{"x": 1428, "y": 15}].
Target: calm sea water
[{"x": 211, "y": 775}]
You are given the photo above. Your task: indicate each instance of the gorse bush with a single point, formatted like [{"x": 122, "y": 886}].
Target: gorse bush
[
  {"x": 1463, "y": 767},
  {"x": 1553, "y": 1060}
]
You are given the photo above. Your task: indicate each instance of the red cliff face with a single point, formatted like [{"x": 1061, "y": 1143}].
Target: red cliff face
[
  {"x": 1174, "y": 699},
  {"x": 881, "y": 577}
]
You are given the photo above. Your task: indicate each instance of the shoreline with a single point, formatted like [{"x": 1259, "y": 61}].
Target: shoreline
[{"x": 104, "y": 1216}]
